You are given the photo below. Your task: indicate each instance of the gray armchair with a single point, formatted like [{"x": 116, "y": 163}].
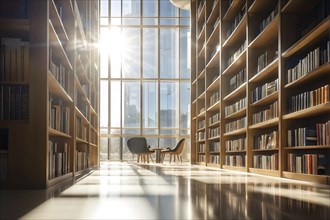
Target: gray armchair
[
  {"x": 139, "y": 146},
  {"x": 176, "y": 151}
]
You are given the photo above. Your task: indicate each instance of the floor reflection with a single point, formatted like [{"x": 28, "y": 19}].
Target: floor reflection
[{"x": 177, "y": 191}]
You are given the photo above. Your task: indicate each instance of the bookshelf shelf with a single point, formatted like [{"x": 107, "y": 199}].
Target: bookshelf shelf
[
  {"x": 236, "y": 93},
  {"x": 307, "y": 147},
  {"x": 59, "y": 179},
  {"x": 242, "y": 169},
  {"x": 237, "y": 33},
  {"x": 53, "y": 132},
  {"x": 57, "y": 89},
  {"x": 264, "y": 45},
  {"x": 275, "y": 173},
  {"x": 237, "y": 114},
  {"x": 267, "y": 100},
  {"x": 93, "y": 145},
  {"x": 15, "y": 26},
  {"x": 269, "y": 34},
  {"x": 56, "y": 44},
  {"x": 215, "y": 106},
  {"x": 56, "y": 21},
  {"x": 232, "y": 10},
  {"x": 316, "y": 33},
  {"x": 307, "y": 177},
  {"x": 213, "y": 165},
  {"x": 265, "y": 124},
  {"x": 201, "y": 129},
  {"x": 312, "y": 111},
  {"x": 265, "y": 71},
  {"x": 236, "y": 132},
  {"x": 315, "y": 74},
  {"x": 265, "y": 150},
  {"x": 81, "y": 115},
  {"x": 79, "y": 140},
  {"x": 236, "y": 65}
]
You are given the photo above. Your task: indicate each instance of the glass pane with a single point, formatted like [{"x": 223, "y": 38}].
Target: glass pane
[
  {"x": 104, "y": 8},
  {"x": 104, "y": 51},
  {"x": 115, "y": 21},
  {"x": 184, "y": 13},
  {"x": 116, "y": 45},
  {"x": 104, "y": 149},
  {"x": 104, "y": 21},
  {"x": 167, "y": 142},
  {"x": 131, "y": 21},
  {"x": 104, "y": 100},
  {"x": 131, "y": 8},
  {"x": 150, "y": 52},
  {"x": 184, "y": 132},
  {"x": 104, "y": 131},
  {"x": 131, "y": 105},
  {"x": 169, "y": 21},
  {"x": 150, "y": 21},
  {"x": 150, "y": 131},
  {"x": 167, "y": 9},
  {"x": 184, "y": 21},
  {"x": 169, "y": 54},
  {"x": 149, "y": 105},
  {"x": 115, "y": 8},
  {"x": 150, "y": 8},
  {"x": 115, "y": 149},
  {"x": 184, "y": 53},
  {"x": 169, "y": 132},
  {"x": 168, "y": 104},
  {"x": 131, "y": 131},
  {"x": 115, "y": 131},
  {"x": 184, "y": 105},
  {"x": 152, "y": 142},
  {"x": 131, "y": 44},
  {"x": 115, "y": 103}
]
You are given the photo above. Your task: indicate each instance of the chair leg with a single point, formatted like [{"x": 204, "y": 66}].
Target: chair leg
[
  {"x": 148, "y": 158},
  {"x": 170, "y": 158},
  {"x": 138, "y": 158},
  {"x": 151, "y": 158}
]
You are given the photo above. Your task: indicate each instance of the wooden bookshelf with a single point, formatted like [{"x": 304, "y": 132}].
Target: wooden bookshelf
[
  {"x": 269, "y": 39},
  {"x": 58, "y": 78}
]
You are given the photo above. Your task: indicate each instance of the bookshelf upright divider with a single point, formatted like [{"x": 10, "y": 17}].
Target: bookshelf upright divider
[{"x": 270, "y": 62}]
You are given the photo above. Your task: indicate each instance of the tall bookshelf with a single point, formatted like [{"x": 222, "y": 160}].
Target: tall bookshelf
[
  {"x": 54, "y": 135},
  {"x": 260, "y": 87}
]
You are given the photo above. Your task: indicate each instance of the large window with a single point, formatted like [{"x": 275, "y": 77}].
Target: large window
[{"x": 145, "y": 75}]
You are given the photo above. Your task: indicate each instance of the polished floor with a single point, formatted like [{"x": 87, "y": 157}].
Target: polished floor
[{"x": 169, "y": 191}]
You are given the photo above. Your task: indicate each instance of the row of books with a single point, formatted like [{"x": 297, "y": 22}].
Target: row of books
[
  {"x": 81, "y": 129},
  {"x": 201, "y": 135},
  {"x": 310, "y": 136},
  {"x": 60, "y": 73},
  {"x": 201, "y": 124},
  {"x": 214, "y": 132},
  {"x": 214, "y": 146},
  {"x": 235, "y": 160},
  {"x": 236, "y": 21},
  {"x": 82, "y": 160},
  {"x": 14, "y": 102},
  {"x": 14, "y": 60},
  {"x": 59, "y": 115},
  {"x": 201, "y": 148},
  {"x": 265, "y": 90},
  {"x": 201, "y": 158},
  {"x": 267, "y": 114},
  {"x": 59, "y": 159},
  {"x": 265, "y": 22},
  {"x": 266, "y": 58},
  {"x": 316, "y": 164},
  {"x": 266, "y": 141},
  {"x": 237, "y": 80},
  {"x": 236, "y": 145},
  {"x": 214, "y": 98},
  {"x": 215, "y": 159},
  {"x": 236, "y": 54},
  {"x": 215, "y": 118},
  {"x": 298, "y": 68},
  {"x": 93, "y": 137},
  {"x": 81, "y": 105},
  {"x": 309, "y": 99},
  {"x": 268, "y": 162},
  {"x": 235, "y": 125},
  {"x": 237, "y": 106}
]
